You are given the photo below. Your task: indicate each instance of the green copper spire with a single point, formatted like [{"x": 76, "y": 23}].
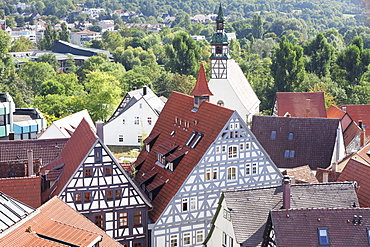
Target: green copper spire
[{"x": 220, "y": 16}]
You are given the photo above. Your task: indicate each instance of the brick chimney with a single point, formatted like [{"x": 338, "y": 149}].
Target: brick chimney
[
  {"x": 30, "y": 162},
  {"x": 286, "y": 192},
  {"x": 100, "y": 130}
]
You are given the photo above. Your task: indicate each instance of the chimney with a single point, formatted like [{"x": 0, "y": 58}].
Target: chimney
[
  {"x": 325, "y": 177},
  {"x": 286, "y": 192},
  {"x": 362, "y": 133},
  {"x": 99, "y": 130},
  {"x": 30, "y": 162},
  {"x": 144, "y": 90}
]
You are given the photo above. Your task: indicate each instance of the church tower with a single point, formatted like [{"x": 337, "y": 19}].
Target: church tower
[{"x": 220, "y": 47}]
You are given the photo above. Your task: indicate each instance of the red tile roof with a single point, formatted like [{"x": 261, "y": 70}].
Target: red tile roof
[
  {"x": 71, "y": 156},
  {"x": 357, "y": 113},
  {"x": 334, "y": 112},
  {"x": 176, "y": 124},
  {"x": 364, "y": 153},
  {"x": 302, "y": 174},
  {"x": 201, "y": 86},
  {"x": 359, "y": 172},
  {"x": 45, "y": 149},
  {"x": 24, "y": 189},
  {"x": 54, "y": 223},
  {"x": 301, "y": 104},
  {"x": 299, "y": 227}
]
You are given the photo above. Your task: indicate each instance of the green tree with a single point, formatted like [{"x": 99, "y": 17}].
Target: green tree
[
  {"x": 183, "y": 55},
  {"x": 21, "y": 44},
  {"x": 320, "y": 54},
  {"x": 35, "y": 73},
  {"x": 103, "y": 94},
  {"x": 257, "y": 27},
  {"x": 51, "y": 87},
  {"x": 47, "y": 42},
  {"x": 168, "y": 82},
  {"x": 64, "y": 33},
  {"x": 50, "y": 59},
  {"x": 287, "y": 66}
]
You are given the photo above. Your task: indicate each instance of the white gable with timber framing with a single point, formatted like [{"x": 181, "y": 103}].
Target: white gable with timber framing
[
  {"x": 101, "y": 190},
  {"x": 234, "y": 160}
]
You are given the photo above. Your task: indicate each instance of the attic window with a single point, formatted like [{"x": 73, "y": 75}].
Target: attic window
[
  {"x": 323, "y": 236},
  {"x": 289, "y": 154},
  {"x": 273, "y": 135},
  {"x": 193, "y": 134},
  {"x": 197, "y": 139},
  {"x": 290, "y": 136}
]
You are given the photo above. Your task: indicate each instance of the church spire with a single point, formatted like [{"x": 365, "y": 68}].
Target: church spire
[
  {"x": 201, "y": 91},
  {"x": 220, "y": 46}
]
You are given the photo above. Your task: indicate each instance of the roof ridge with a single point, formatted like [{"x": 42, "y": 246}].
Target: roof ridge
[{"x": 60, "y": 222}]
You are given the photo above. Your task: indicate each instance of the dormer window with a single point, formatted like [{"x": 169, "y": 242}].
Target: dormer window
[
  {"x": 290, "y": 136},
  {"x": 196, "y": 141},
  {"x": 193, "y": 134}
]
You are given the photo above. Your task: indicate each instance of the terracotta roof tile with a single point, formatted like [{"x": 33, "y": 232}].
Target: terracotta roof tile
[
  {"x": 334, "y": 112},
  {"x": 359, "y": 172},
  {"x": 301, "y": 227},
  {"x": 357, "y": 113},
  {"x": 45, "y": 149},
  {"x": 301, "y": 104},
  {"x": 201, "y": 86},
  {"x": 302, "y": 174},
  {"x": 178, "y": 118},
  {"x": 72, "y": 154},
  {"x": 56, "y": 220},
  {"x": 24, "y": 189},
  {"x": 313, "y": 140},
  {"x": 365, "y": 153},
  {"x": 350, "y": 133}
]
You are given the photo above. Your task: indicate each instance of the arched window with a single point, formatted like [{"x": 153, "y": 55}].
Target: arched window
[{"x": 220, "y": 103}]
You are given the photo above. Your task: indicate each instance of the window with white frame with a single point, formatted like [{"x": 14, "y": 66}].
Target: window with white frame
[
  {"x": 174, "y": 241},
  {"x": 289, "y": 154},
  {"x": 218, "y": 149},
  {"x": 247, "y": 146},
  {"x": 215, "y": 173},
  {"x": 254, "y": 168},
  {"x": 231, "y": 126},
  {"x": 193, "y": 203},
  {"x": 231, "y": 173},
  {"x": 150, "y": 120},
  {"x": 199, "y": 236},
  {"x": 223, "y": 148},
  {"x": 139, "y": 139},
  {"x": 233, "y": 152},
  {"x": 185, "y": 204},
  {"x": 208, "y": 174},
  {"x": 231, "y": 242},
  {"x": 137, "y": 120},
  {"x": 227, "y": 214},
  {"x": 186, "y": 238},
  {"x": 241, "y": 146},
  {"x": 123, "y": 121},
  {"x": 323, "y": 236},
  {"x": 236, "y": 126}
]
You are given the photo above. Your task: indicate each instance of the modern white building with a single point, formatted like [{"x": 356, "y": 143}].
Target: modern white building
[
  {"x": 228, "y": 84},
  {"x": 133, "y": 119},
  {"x": 79, "y": 38}
]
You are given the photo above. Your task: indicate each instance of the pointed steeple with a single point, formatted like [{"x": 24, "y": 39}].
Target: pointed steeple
[
  {"x": 220, "y": 47},
  {"x": 220, "y": 15},
  {"x": 201, "y": 91}
]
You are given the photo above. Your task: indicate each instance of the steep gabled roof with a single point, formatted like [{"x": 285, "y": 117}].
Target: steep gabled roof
[
  {"x": 174, "y": 127},
  {"x": 335, "y": 112},
  {"x": 25, "y": 189},
  {"x": 46, "y": 149},
  {"x": 299, "y": 227},
  {"x": 146, "y": 94},
  {"x": 201, "y": 86},
  {"x": 72, "y": 155},
  {"x": 56, "y": 224},
  {"x": 359, "y": 113},
  {"x": 359, "y": 172},
  {"x": 65, "y": 127},
  {"x": 250, "y": 208},
  {"x": 301, "y": 104},
  {"x": 313, "y": 140}
]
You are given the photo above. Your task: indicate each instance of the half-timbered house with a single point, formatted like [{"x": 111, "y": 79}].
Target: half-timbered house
[
  {"x": 196, "y": 150},
  {"x": 88, "y": 178}
]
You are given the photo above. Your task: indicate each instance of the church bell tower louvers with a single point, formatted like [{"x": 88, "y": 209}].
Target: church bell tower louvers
[{"x": 220, "y": 46}]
